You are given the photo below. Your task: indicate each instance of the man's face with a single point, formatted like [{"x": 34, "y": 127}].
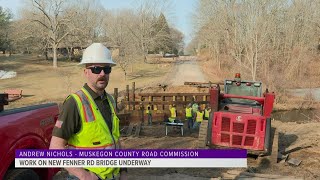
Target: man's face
[{"x": 98, "y": 75}]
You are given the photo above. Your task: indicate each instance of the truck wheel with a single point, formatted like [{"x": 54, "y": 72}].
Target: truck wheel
[
  {"x": 268, "y": 141},
  {"x": 21, "y": 174}
]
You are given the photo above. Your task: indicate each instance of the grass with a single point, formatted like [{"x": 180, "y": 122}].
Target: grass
[{"x": 42, "y": 83}]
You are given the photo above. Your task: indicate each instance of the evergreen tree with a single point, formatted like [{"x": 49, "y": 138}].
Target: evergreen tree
[
  {"x": 5, "y": 17},
  {"x": 163, "y": 41}
]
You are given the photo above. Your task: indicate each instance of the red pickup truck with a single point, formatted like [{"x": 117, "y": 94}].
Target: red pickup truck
[{"x": 25, "y": 128}]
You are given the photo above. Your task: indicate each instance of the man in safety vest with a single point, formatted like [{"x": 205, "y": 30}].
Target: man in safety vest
[
  {"x": 173, "y": 113},
  {"x": 199, "y": 118},
  {"x": 195, "y": 108},
  {"x": 189, "y": 116},
  {"x": 88, "y": 119},
  {"x": 207, "y": 112}
]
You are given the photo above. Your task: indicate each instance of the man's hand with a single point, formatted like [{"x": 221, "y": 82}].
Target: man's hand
[{"x": 123, "y": 175}]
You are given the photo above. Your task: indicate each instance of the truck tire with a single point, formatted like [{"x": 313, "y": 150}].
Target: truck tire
[
  {"x": 268, "y": 138},
  {"x": 21, "y": 174},
  {"x": 209, "y": 133}
]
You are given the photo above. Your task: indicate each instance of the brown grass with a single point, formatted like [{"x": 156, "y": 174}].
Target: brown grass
[{"x": 41, "y": 82}]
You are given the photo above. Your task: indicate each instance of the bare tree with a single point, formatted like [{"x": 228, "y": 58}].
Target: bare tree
[
  {"x": 148, "y": 13},
  {"x": 28, "y": 37},
  {"x": 50, "y": 14},
  {"x": 85, "y": 26},
  {"x": 132, "y": 31},
  {"x": 259, "y": 38},
  {"x": 177, "y": 39}
]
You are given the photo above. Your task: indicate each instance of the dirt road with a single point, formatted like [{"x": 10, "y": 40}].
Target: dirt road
[{"x": 186, "y": 71}]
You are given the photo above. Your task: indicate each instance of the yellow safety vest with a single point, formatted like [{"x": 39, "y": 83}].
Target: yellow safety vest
[
  {"x": 207, "y": 113},
  {"x": 199, "y": 116},
  {"x": 189, "y": 112},
  {"x": 94, "y": 133},
  {"x": 173, "y": 114},
  {"x": 148, "y": 111}
]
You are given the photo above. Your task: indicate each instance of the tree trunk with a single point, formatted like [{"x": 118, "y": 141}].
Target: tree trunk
[
  {"x": 55, "y": 62},
  {"x": 72, "y": 53},
  {"x": 46, "y": 54},
  {"x": 69, "y": 53}
]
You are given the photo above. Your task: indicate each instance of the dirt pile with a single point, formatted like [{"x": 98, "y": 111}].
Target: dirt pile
[{"x": 301, "y": 141}]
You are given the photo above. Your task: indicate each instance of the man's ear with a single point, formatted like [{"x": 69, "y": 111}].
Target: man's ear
[{"x": 85, "y": 72}]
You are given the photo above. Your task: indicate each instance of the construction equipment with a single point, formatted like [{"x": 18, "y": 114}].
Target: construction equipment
[{"x": 240, "y": 117}]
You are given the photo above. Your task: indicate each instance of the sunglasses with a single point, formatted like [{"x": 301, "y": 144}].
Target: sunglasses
[{"x": 98, "y": 69}]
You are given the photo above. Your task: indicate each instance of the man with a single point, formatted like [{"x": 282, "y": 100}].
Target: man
[
  {"x": 173, "y": 113},
  {"x": 195, "y": 108},
  {"x": 189, "y": 116},
  {"x": 207, "y": 111},
  {"x": 199, "y": 118},
  {"x": 88, "y": 119}
]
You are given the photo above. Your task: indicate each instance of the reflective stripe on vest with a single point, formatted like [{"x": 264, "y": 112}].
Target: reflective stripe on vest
[
  {"x": 94, "y": 132},
  {"x": 199, "y": 116},
  {"x": 87, "y": 107},
  {"x": 173, "y": 112},
  {"x": 188, "y": 112}
]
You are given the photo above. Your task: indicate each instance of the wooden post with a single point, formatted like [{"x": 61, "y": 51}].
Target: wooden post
[
  {"x": 204, "y": 98},
  {"x": 115, "y": 94},
  {"x": 127, "y": 97},
  {"x": 142, "y": 114},
  {"x": 133, "y": 94},
  {"x": 150, "y": 99},
  {"x": 163, "y": 100}
]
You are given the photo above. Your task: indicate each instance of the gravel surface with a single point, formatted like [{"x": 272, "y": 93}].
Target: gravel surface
[{"x": 187, "y": 71}]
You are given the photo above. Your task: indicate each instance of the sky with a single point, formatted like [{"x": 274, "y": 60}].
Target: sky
[{"x": 179, "y": 14}]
